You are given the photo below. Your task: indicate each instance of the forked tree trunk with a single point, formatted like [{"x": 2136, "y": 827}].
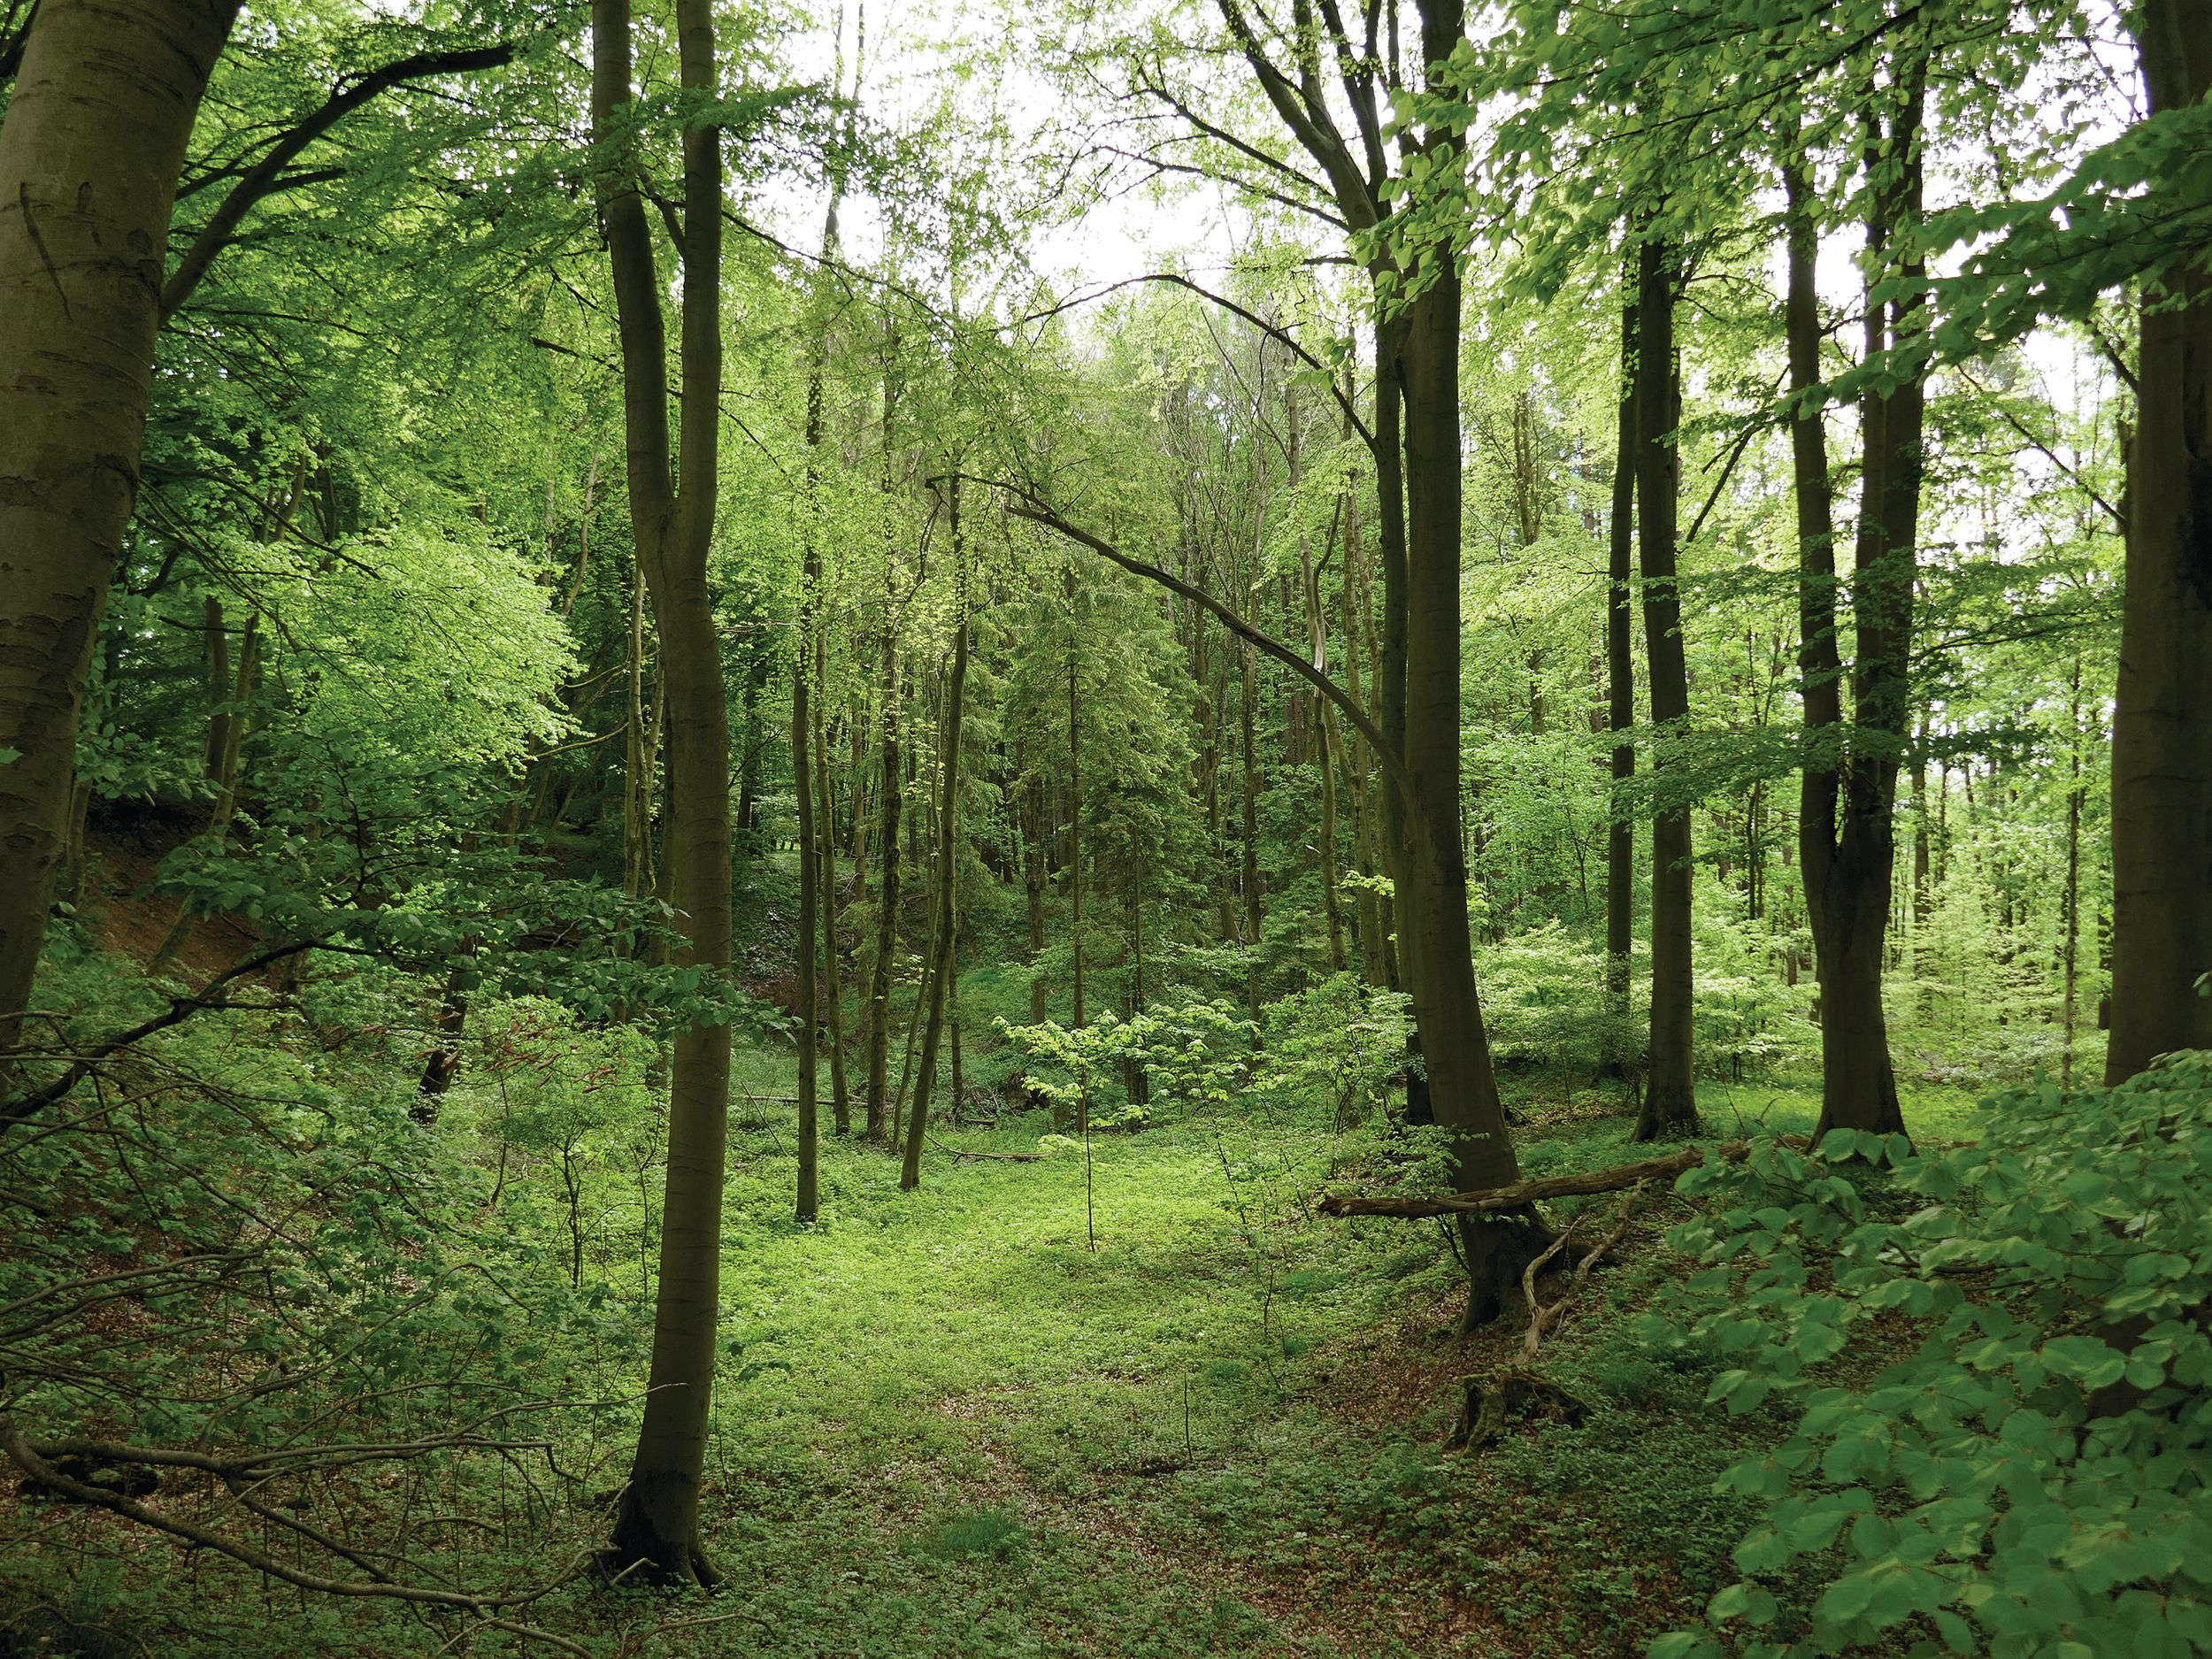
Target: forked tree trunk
[
  {"x": 1847, "y": 828},
  {"x": 1669, "y": 1105},
  {"x": 97, "y": 121},
  {"x": 656, "y": 1523},
  {"x": 2161, "y": 733}
]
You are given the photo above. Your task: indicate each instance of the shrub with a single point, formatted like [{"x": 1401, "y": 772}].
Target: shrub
[{"x": 2027, "y": 1473}]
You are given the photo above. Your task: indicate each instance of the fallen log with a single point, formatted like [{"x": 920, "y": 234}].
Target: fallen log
[{"x": 1618, "y": 1179}]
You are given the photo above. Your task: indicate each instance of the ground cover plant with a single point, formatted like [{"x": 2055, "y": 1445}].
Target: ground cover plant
[{"x": 1168, "y": 828}]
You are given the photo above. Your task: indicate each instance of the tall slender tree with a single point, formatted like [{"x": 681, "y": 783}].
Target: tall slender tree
[
  {"x": 1669, "y": 1102},
  {"x": 672, "y": 481}
]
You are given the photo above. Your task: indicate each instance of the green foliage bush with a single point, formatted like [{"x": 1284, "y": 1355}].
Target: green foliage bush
[{"x": 2000, "y": 1360}]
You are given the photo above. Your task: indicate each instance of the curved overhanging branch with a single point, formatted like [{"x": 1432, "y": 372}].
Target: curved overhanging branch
[
  {"x": 1275, "y": 331},
  {"x": 1025, "y": 504},
  {"x": 267, "y": 176}
]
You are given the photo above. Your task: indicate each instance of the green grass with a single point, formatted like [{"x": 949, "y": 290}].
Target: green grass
[{"x": 950, "y": 1425}]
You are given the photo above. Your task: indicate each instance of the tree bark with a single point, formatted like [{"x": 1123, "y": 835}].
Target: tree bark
[
  {"x": 1033, "y": 881},
  {"x": 1434, "y": 947},
  {"x": 93, "y": 138},
  {"x": 1620, "y": 674},
  {"x": 226, "y": 742},
  {"x": 2161, "y": 735},
  {"x": 887, "y": 902},
  {"x": 1669, "y": 1104},
  {"x": 1846, "y": 824},
  {"x": 940, "y": 966},
  {"x": 1075, "y": 814},
  {"x": 832, "y": 988},
  {"x": 802, "y": 789},
  {"x": 657, "y": 1523}
]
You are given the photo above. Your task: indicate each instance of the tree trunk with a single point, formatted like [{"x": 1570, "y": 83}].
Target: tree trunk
[
  {"x": 1847, "y": 827},
  {"x": 1330, "y": 758},
  {"x": 1248, "y": 870},
  {"x": 225, "y": 740},
  {"x": 833, "y": 990},
  {"x": 803, "y": 790},
  {"x": 2069, "y": 953},
  {"x": 2161, "y": 733},
  {"x": 940, "y": 966},
  {"x": 887, "y": 905},
  {"x": 1669, "y": 1105},
  {"x": 1434, "y": 947},
  {"x": 1033, "y": 881},
  {"x": 1620, "y": 673},
  {"x": 97, "y": 121},
  {"x": 817, "y": 828},
  {"x": 1075, "y": 815},
  {"x": 657, "y": 1525}
]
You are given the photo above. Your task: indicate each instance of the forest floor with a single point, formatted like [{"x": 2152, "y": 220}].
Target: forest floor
[{"x": 1153, "y": 1405}]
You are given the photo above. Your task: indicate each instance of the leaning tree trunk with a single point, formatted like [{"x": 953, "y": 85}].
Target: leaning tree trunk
[
  {"x": 2161, "y": 733},
  {"x": 657, "y": 1523},
  {"x": 1670, "y": 1088},
  {"x": 97, "y": 121}
]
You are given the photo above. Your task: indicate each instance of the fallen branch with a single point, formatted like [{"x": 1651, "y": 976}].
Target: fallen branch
[
  {"x": 1003, "y": 1158},
  {"x": 1618, "y": 1179},
  {"x": 1541, "y": 1319}
]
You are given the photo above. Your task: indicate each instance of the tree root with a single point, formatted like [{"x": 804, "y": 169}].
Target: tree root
[{"x": 1484, "y": 1407}]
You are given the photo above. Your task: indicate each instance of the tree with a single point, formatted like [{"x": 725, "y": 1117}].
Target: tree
[
  {"x": 672, "y": 487},
  {"x": 2161, "y": 735},
  {"x": 94, "y": 140},
  {"x": 1669, "y": 1103}
]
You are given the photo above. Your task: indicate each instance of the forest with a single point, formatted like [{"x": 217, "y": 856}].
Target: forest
[{"x": 1128, "y": 827}]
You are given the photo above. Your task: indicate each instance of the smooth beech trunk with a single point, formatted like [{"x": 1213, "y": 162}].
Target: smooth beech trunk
[
  {"x": 940, "y": 953},
  {"x": 832, "y": 988},
  {"x": 2161, "y": 733},
  {"x": 1847, "y": 817},
  {"x": 804, "y": 792},
  {"x": 1436, "y": 947},
  {"x": 1669, "y": 1105},
  {"x": 1620, "y": 688},
  {"x": 887, "y": 900},
  {"x": 97, "y": 121},
  {"x": 657, "y": 1523}
]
